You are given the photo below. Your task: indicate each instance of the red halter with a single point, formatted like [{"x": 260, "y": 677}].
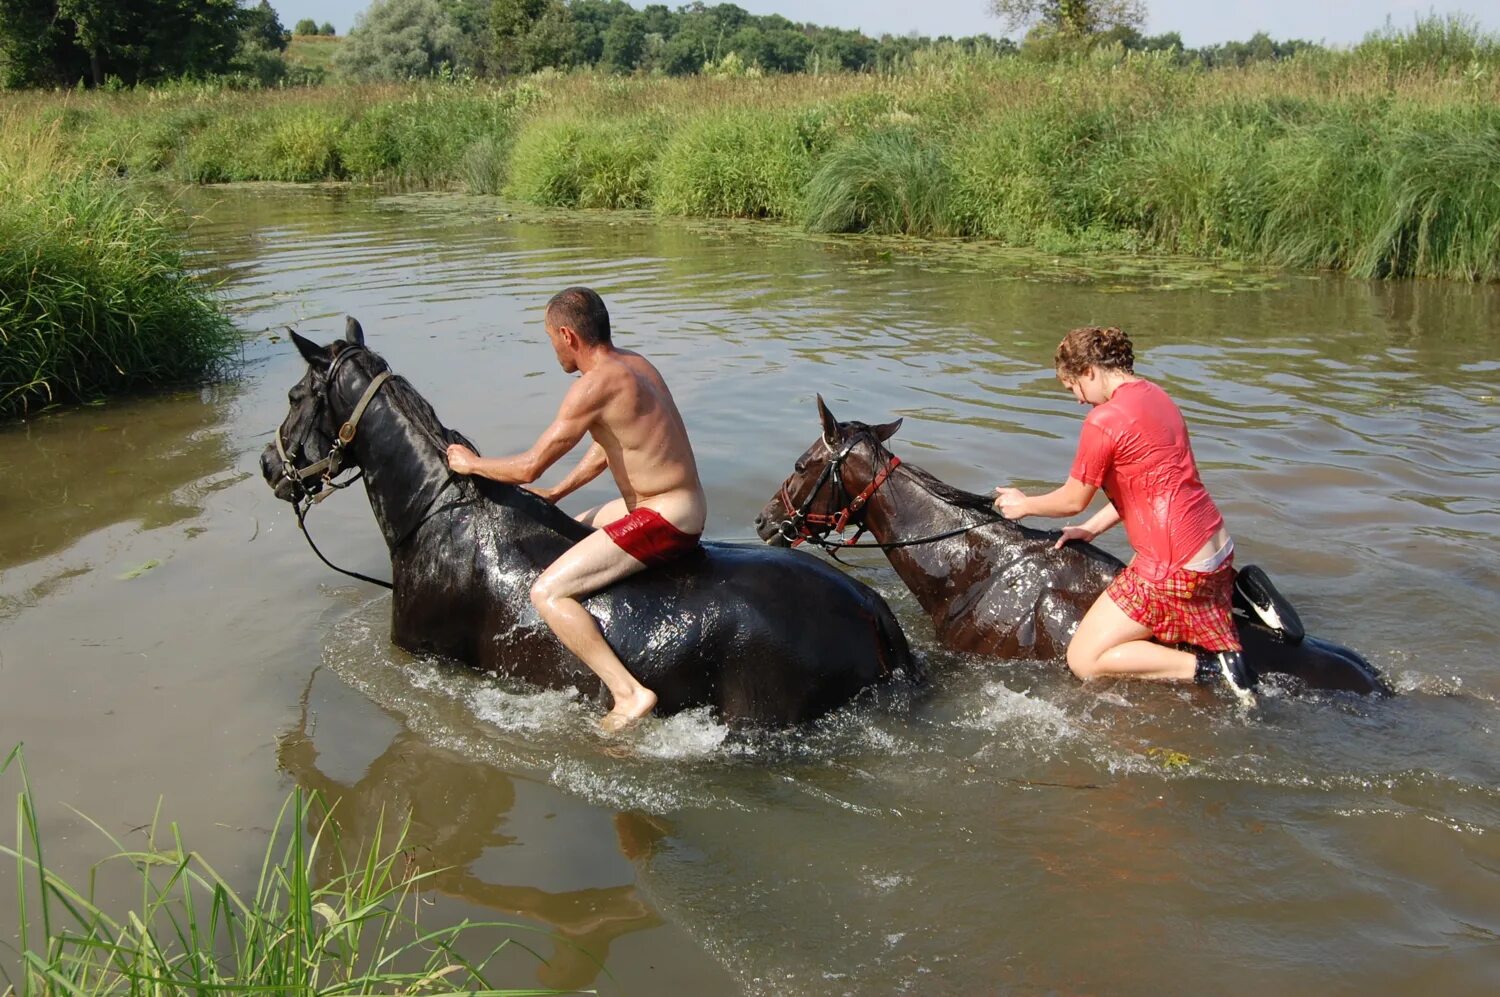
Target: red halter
[{"x": 836, "y": 521}]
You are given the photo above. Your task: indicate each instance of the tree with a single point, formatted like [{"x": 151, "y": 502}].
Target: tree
[
  {"x": 624, "y": 43},
  {"x": 327, "y": 29},
  {"x": 51, "y": 42},
  {"x": 306, "y": 26},
  {"x": 1073, "y": 18},
  {"x": 399, "y": 39},
  {"x": 262, "y": 27}
]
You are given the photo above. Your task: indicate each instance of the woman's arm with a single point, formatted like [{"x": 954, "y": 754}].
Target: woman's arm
[
  {"x": 1091, "y": 528},
  {"x": 1071, "y": 498}
]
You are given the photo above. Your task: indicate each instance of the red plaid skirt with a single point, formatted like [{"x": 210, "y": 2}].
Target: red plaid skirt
[{"x": 1186, "y": 607}]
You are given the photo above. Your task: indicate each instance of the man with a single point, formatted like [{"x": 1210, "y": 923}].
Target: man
[{"x": 623, "y": 403}]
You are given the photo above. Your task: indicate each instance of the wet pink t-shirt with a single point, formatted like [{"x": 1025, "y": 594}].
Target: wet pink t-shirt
[{"x": 1135, "y": 446}]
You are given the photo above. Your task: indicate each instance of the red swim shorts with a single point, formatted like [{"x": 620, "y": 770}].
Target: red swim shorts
[
  {"x": 1186, "y": 607},
  {"x": 646, "y": 536}
]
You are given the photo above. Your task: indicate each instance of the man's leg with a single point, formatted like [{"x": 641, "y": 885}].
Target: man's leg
[
  {"x": 589, "y": 566},
  {"x": 1110, "y": 643}
]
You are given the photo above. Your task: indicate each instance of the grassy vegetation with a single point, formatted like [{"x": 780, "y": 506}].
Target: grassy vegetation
[
  {"x": 1380, "y": 161},
  {"x": 355, "y": 932},
  {"x": 95, "y": 295}
]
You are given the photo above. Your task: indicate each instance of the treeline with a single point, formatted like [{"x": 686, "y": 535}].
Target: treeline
[
  {"x": 94, "y": 43},
  {"x": 49, "y": 43}
]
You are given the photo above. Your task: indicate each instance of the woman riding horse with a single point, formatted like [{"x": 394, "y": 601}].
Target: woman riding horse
[{"x": 991, "y": 586}]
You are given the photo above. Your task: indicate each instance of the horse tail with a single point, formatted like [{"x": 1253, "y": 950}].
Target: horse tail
[{"x": 892, "y": 646}]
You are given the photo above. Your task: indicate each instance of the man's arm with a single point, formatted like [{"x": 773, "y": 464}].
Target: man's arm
[
  {"x": 575, "y": 416},
  {"x": 1068, "y": 500},
  {"x": 590, "y": 467}
]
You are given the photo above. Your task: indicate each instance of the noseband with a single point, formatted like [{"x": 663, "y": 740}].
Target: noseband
[
  {"x": 330, "y": 465},
  {"x": 795, "y": 528}
]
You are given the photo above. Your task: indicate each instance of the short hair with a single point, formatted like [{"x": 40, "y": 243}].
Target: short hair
[
  {"x": 582, "y": 310},
  {"x": 1108, "y": 349}
]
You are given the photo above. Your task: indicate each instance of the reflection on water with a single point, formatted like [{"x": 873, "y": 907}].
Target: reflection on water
[
  {"x": 1004, "y": 828},
  {"x": 459, "y": 810}
]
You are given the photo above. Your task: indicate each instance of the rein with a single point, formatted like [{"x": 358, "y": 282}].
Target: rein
[
  {"x": 331, "y": 465},
  {"x": 794, "y": 529}
]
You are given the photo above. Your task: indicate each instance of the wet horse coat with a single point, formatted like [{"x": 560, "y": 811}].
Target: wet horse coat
[
  {"x": 992, "y": 586},
  {"x": 762, "y": 636}
]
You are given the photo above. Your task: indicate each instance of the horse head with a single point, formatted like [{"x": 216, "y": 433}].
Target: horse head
[
  {"x": 831, "y": 483},
  {"x": 312, "y": 443}
]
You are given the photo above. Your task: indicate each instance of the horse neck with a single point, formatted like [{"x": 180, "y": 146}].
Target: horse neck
[
  {"x": 401, "y": 450},
  {"x": 907, "y": 508}
]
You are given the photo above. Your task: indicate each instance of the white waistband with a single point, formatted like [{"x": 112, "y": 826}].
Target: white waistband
[{"x": 1213, "y": 561}]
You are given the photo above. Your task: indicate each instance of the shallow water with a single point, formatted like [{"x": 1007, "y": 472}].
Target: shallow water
[{"x": 166, "y": 632}]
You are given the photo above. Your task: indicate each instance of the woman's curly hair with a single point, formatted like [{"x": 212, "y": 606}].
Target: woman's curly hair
[{"x": 1107, "y": 349}]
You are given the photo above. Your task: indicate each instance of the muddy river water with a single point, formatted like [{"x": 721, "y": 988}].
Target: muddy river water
[{"x": 166, "y": 635}]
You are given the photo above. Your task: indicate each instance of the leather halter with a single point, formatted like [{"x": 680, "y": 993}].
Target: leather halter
[
  {"x": 794, "y": 529},
  {"x": 329, "y": 466}
]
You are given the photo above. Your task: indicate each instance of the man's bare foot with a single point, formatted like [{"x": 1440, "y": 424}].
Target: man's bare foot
[{"x": 628, "y": 711}]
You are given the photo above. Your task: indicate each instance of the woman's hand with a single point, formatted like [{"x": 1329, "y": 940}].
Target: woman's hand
[
  {"x": 1074, "y": 533},
  {"x": 461, "y": 459},
  {"x": 1010, "y": 502}
]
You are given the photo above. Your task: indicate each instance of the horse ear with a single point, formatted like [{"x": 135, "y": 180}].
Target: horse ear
[
  {"x": 830, "y": 424},
  {"x": 883, "y": 433},
  {"x": 311, "y": 351},
  {"x": 352, "y": 331}
]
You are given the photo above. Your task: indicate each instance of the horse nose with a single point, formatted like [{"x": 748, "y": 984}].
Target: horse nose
[{"x": 760, "y": 520}]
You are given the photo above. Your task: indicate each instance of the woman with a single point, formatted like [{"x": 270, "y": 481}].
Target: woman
[{"x": 1177, "y": 589}]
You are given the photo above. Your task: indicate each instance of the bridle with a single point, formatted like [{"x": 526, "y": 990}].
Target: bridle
[
  {"x": 795, "y": 529},
  {"x": 798, "y": 527},
  {"x": 327, "y": 469}
]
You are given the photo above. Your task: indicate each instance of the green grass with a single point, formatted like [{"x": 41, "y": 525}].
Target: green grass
[
  {"x": 354, "y": 930},
  {"x": 1378, "y": 161},
  {"x": 889, "y": 182},
  {"x": 96, "y": 297}
]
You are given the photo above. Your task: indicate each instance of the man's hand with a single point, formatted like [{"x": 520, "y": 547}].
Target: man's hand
[
  {"x": 461, "y": 459},
  {"x": 1074, "y": 533},
  {"x": 1010, "y": 502}
]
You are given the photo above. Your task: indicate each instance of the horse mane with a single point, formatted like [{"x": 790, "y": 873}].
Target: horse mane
[
  {"x": 937, "y": 487},
  {"x": 414, "y": 406}
]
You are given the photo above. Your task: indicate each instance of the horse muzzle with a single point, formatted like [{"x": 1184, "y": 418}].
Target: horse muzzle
[
  {"x": 771, "y": 524},
  {"x": 284, "y": 483}
]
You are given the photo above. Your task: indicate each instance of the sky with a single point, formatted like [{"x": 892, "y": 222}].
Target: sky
[{"x": 1333, "y": 22}]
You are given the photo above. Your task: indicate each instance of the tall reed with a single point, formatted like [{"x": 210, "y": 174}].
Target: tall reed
[
  {"x": 357, "y": 932},
  {"x": 96, "y": 296}
]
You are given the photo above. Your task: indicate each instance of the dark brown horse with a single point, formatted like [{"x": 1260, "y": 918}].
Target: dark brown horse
[{"x": 991, "y": 586}]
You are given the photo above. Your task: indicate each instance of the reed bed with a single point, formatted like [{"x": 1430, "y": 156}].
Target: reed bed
[
  {"x": 354, "y": 930},
  {"x": 1378, "y": 161},
  {"x": 96, "y": 297}
]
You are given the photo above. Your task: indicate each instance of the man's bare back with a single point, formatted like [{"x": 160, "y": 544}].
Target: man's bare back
[
  {"x": 623, "y": 403},
  {"x": 645, "y": 443}
]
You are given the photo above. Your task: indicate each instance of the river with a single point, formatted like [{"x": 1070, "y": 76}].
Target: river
[{"x": 166, "y": 635}]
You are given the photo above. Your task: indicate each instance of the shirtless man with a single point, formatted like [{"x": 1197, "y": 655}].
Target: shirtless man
[{"x": 623, "y": 403}]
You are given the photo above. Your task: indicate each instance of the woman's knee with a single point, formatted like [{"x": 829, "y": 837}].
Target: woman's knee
[
  {"x": 542, "y": 593},
  {"x": 1083, "y": 661}
]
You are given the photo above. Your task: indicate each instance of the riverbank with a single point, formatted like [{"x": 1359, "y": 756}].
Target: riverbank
[
  {"x": 96, "y": 295},
  {"x": 1368, "y": 162}
]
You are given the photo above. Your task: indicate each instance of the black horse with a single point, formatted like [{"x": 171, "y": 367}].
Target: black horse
[
  {"x": 992, "y": 586},
  {"x": 764, "y": 637}
]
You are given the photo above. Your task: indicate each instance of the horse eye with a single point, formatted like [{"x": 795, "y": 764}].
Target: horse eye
[{"x": 800, "y": 467}]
